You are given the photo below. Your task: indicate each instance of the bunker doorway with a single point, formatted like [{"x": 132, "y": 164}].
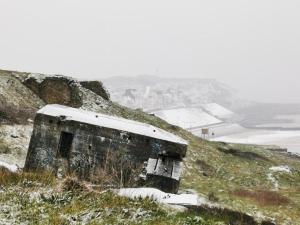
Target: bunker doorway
[
  {"x": 65, "y": 144},
  {"x": 64, "y": 148}
]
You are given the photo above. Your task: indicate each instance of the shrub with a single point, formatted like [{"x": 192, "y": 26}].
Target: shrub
[
  {"x": 72, "y": 184},
  {"x": 118, "y": 171},
  {"x": 205, "y": 167},
  {"x": 212, "y": 197},
  {"x": 263, "y": 197}
]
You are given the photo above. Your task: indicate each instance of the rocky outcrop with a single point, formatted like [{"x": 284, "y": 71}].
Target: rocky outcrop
[
  {"x": 22, "y": 94},
  {"x": 96, "y": 87},
  {"x": 55, "y": 90},
  {"x": 17, "y": 103}
]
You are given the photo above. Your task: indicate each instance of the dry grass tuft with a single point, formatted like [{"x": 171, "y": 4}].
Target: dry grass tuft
[
  {"x": 74, "y": 185},
  {"x": 116, "y": 172},
  {"x": 8, "y": 178},
  {"x": 206, "y": 169},
  {"x": 263, "y": 197}
]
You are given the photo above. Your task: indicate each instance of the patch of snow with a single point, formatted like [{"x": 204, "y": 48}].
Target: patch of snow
[
  {"x": 37, "y": 76},
  {"x": 273, "y": 180},
  {"x": 187, "y": 117},
  {"x": 273, "y": 169},
  {"x": 110, "y": 122},
  {"x": 217, "y": 110},
  {"x": 10, "y": 167},
  {"x": 162, "y": 197},
  {"x": 292, "y": 121},
  {"x": 280, "y": 169}
]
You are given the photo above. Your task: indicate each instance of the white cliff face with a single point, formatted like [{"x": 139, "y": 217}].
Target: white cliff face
[{"x": 150, "y": 92}]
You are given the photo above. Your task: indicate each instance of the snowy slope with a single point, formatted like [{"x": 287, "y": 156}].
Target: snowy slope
[
  {"x": 187, "y": 117},
  {"x": 219, "y": 130},
  {"x": 151, "y": 92},
  {"x": 217, "y": 110}
]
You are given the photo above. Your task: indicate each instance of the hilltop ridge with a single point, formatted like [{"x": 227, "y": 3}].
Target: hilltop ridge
[{"x": 238, "y": 177}]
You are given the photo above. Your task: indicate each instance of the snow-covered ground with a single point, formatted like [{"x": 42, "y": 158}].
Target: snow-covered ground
[
  {"x": 10, "y": 167},
  {"x": 220, "y": 130},
  {"x": 285, "y": 139},
  {"x": 187, "y": 117},
  {"x": 217, "y": 110},
  {"x": 163, "y": 197},
  {"x": 194, "y": 119},
  {"x": 277, "y": 169},
  {"x": 292, "y": 121},
  {"x": 280, "y": 169}
]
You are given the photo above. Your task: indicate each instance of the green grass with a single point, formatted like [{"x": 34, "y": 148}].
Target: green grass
[
  {"x": 212, "y": 169},
  {"x": 234, "y": 172},
  {"x": 44, "y": 203},
  {"x": 26, "y": 179},
  {"x": 231, "y": 167}
]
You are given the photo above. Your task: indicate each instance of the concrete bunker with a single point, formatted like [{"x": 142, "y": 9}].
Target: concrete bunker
[{"x": 69, "y": 140}]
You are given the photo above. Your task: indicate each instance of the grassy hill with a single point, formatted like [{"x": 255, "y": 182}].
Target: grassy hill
[{"x": 245, "y": 178}]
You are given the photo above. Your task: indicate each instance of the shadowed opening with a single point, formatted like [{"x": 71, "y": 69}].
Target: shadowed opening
[{"x": 66, "y": 140}]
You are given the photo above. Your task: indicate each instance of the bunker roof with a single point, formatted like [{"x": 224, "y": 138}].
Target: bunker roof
[{"x": 112, "y": 122}]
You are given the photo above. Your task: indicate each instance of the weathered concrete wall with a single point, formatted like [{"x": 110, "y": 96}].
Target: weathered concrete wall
[
  {"x": 42, "y": 151},
  {"x": 90, "y": 146},
  {"x": 164, "y": 173}
]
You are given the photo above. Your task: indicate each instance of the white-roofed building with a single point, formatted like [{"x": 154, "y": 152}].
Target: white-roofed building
[{"x": 77, "y": 141}]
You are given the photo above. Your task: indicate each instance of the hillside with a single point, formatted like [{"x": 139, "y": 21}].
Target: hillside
[
  {"x": 249, "y": 179},
  {"x": 151, "y": 92},
  {"x": 186, "y": 117}
]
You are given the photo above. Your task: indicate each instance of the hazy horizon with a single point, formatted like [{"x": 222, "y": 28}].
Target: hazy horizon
[{"x": 252, "y": 46}]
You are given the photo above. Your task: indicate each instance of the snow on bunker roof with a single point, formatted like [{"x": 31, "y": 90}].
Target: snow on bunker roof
[{"x": 112, "y": 122}]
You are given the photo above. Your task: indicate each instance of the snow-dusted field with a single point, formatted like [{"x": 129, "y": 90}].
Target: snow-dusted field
[
  {"x": 217, "y": 110},
  {"x": 285, "y": 139},
  {"x": 219, "y": 130},
  {"x": 187, "y": 117},
  {"x": 293, "y": 121}
]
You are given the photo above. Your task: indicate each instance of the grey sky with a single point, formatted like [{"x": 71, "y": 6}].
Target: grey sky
[{"x": 251, "y": 45}]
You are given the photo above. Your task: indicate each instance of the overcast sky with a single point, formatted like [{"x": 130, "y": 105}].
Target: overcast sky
[{"x": 251, "y": 45}]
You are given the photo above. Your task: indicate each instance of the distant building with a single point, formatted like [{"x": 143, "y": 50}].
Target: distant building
[{"x": 78, "y": 142}]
